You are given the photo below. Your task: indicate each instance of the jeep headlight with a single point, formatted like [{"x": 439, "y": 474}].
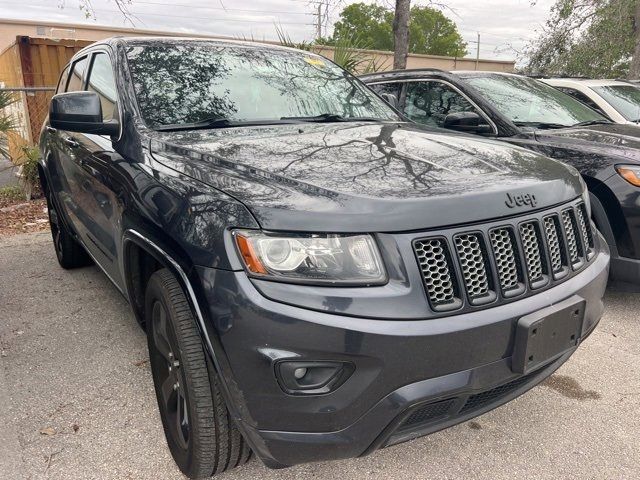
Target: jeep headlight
[
  {"x": 313, "y": 258},
  {"x": 631, "y": 173}
]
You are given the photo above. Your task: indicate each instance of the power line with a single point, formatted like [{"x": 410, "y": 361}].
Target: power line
[
  {"x": 227, "y": 9},
  {"x": 226, "y": 19}
]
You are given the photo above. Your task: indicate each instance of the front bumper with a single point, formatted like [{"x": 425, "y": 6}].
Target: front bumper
[{"x": 449, "y": 369}]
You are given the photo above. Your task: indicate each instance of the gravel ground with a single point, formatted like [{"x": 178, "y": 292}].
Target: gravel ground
[{"x": 77, "y": 396}]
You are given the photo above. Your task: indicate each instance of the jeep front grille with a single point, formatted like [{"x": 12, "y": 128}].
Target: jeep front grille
[
  {"x": 472, "y": 260},
  {"x": 435, "y": 263},
  {"x": 554, "y": 234},
  {"x": 570, "y": 229},
  {"x": 585, "y": 228},
  {"x": 533, "y": 253},
  {"x": 505, "y": 252},
  {"x": 510, "y": 260}
]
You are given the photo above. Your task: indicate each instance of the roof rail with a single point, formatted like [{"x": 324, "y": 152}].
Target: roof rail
[
  {"x": 407, "y": 70},
  {"x": 626, "y": 80},
  {"x": 572, "y": 77}
]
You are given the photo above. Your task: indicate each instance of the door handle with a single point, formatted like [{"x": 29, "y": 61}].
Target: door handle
[
  {"x": 71, "y": 142},
  {"x": 50, "y": 129}
]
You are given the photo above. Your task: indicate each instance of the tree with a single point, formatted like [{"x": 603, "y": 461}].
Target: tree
[
  {"x": 371, "y": 23},
  {"x": 430, "y": 31},
  {"x": 401, "y": 33},
  {"x": 7, "y": 121},
  {"x": 595, "y": 38},
  {"x": 86, "y": 7},
  {"x": 634, "y": 67}
]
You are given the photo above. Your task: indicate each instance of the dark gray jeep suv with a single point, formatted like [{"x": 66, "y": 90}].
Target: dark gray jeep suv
[{"x": 317, "y": 278}]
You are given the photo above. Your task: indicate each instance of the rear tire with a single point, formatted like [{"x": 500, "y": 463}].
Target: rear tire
[
  {"x": 69, "y": 252},
  {"x": 201, "y": 435}
]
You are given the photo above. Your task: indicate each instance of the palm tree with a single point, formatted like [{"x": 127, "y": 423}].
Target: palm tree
[{"x": 7, "y": 122}]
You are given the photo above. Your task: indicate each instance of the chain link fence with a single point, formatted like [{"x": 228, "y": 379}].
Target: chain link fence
[{"x": 28, "y": 110}]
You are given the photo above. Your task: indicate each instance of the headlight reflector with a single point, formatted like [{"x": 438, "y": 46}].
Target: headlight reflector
[
  {"x": 313, "y": 258},
  {"x": 631, "y": 173}
]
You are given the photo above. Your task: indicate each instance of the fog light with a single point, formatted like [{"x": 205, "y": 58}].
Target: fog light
[
  {"x": 311, "y": 377},
  {"x": 299, "y": 373}
]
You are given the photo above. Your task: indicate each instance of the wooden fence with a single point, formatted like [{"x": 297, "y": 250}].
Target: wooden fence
[{"x": 30, "y": 68}]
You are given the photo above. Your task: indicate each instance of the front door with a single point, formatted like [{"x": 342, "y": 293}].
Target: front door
[{"x": 97, "y": 162}]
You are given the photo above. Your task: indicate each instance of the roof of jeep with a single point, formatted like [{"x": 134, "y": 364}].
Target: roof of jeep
[{"x": 128, "y": 40}]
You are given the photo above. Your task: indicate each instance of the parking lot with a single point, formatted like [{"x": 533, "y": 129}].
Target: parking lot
[{"x": 77, "y": 396}]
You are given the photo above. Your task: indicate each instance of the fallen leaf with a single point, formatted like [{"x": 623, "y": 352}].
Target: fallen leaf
[{"x": 48, "y": 431}]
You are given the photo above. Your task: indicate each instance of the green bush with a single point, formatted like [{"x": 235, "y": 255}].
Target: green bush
[{"x": 29, "y": 171}]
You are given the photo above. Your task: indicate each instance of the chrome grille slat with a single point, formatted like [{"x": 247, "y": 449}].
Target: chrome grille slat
[
  {"x": 552, "y": 231},
  {"x": 472, "y": 261},
  {"x": 436, "y": 270},
  {"x": 568, "y": 222},
  {"x": 531, "y": 247},
  {"x": 585, "y": 226},
  {"x": 504, "y": 250}
]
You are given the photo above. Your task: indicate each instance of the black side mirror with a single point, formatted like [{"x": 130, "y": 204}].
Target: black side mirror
[
  {"x": 391, "y": 99},
  {"x": 80, "y": 112},
  {"x": 466, "y": 122}
]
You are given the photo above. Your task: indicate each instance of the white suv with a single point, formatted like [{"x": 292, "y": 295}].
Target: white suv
[{"x": 618, "y": 100}]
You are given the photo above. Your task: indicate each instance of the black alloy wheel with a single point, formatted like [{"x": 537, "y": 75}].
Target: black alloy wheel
[{"x": 201, "y": 435}]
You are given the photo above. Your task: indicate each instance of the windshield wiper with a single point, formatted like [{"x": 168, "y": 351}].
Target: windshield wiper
[
  {"x": 332, "y": 117},
  {"x": 592, "y": 122},
  {"x": 541, "y": 125},
  {"x": 216, "y": 122}
]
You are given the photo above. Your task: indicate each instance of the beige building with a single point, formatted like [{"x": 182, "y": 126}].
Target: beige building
[{"x": 10, "y": 29}]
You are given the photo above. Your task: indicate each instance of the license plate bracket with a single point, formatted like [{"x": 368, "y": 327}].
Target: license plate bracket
[{"x": 547, "y": 333}]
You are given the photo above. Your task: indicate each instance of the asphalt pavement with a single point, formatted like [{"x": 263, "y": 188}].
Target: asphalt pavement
[{"x": 77, "y": 401}]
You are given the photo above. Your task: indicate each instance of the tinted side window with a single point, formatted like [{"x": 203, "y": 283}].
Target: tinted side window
[
  {"x": 430, "y": 102},
  {"x": 578, "y": 95},
  {"x": 390, "y": 88},
  {"x": 63, "y": 80},
  {"x": 102, "y": 81},
  {"x": 77, "y": 74}
]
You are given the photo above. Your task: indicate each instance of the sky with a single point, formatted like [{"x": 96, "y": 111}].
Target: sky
[{"x": 505, "y": 26}]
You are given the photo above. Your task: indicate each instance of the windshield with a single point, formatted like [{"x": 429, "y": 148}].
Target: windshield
[
  {"x": 526, "y": 101},
  {"x": 198, "y": 81},
  {"x": 624, "y": 98}
]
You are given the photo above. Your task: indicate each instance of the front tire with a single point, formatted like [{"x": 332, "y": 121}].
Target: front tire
[{"x": 201, "y": 435}]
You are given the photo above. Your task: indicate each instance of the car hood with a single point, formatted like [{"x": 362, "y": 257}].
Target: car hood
[
  {"x": 356, "y": 177},
  {"x": 609, "y": 140}
]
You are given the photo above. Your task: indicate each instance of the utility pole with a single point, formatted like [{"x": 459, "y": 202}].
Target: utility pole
[{"x": 478, "y": 52}]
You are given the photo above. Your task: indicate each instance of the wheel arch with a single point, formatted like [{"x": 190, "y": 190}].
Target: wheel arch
[
  {"x": 608, "y": 216},
  {"x": 136, "y": 243},
  {"x": 138, "y": 247}
]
